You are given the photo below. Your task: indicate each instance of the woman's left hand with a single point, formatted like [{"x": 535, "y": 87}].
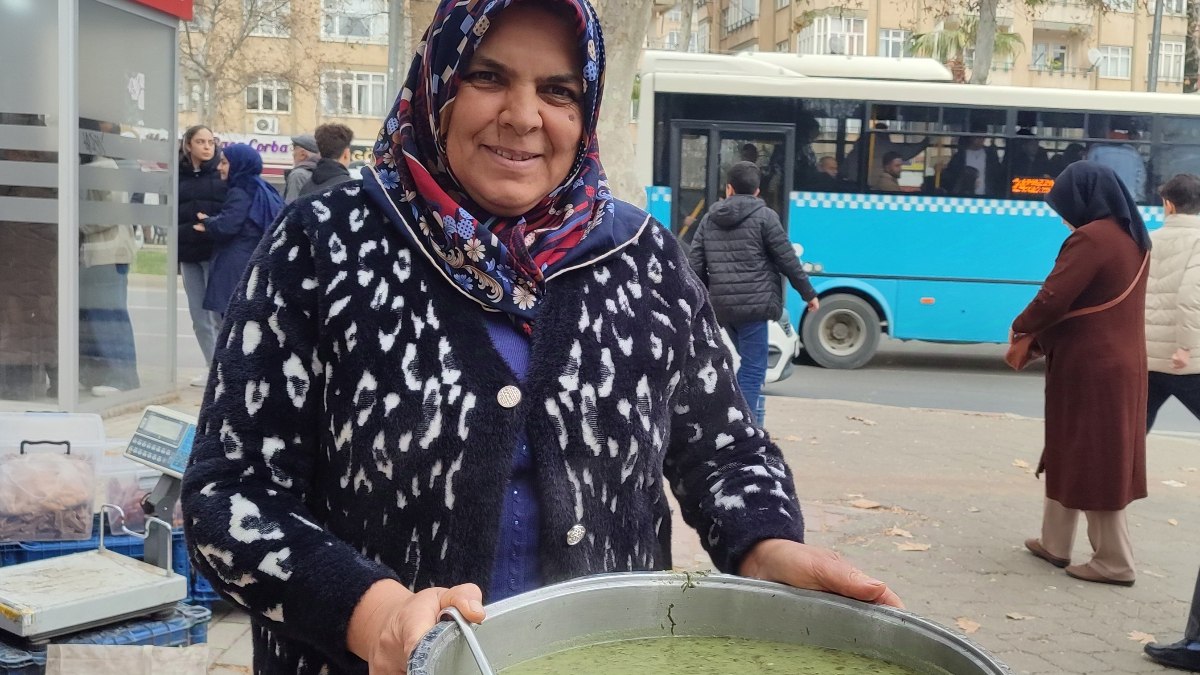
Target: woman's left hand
[
  {"x": 814, "y": 568},
  {"x": 198, "y": 227}
]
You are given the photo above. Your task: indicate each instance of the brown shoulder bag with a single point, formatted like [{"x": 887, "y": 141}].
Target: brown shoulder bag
[{"x": 1024, "y": 348}]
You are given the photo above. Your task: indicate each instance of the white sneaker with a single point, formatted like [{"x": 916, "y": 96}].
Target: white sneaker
[
  {"x": 200, "y": 380},
  {"x": 101, "y": 391}
]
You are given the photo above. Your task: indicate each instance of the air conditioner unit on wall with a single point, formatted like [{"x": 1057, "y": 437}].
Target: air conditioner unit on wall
[{"x": 266, "y": 125}]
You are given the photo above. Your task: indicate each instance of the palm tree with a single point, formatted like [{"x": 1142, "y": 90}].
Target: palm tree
[{"x": 951, "y": 45}]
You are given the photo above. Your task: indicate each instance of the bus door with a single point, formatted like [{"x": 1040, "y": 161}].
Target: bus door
[{"x": 702, "y": 153}]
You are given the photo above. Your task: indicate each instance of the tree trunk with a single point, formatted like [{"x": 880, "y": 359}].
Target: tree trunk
[
  {"x": 1191, "y": 62},
  {"x": 625, "y": 23},
  {"x": 686, "y": 8},
  {"x": 985, "y": 41}
]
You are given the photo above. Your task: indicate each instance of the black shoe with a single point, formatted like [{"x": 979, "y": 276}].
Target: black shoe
[{"x": 1177, "y": 655}]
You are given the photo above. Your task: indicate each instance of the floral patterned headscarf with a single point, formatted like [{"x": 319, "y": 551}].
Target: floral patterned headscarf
[{"x": 502, "y": 262}]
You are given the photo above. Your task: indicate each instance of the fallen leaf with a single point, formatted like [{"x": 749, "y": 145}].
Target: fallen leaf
[
  {"x": 792, "y": 437},
  {"x": 966, "y": 625},
  {"x": 1173, "y": 483},
  {"x": 852, "y": 495},
  {"x": 864, "y": 420},
  {"x": 1020, "y": 464},
  {"x": 911, "y": 546},
  {"x": 973, "y": 509},
  {"x": 1172, "y": 521},
  {"x": 1017, "y": 616},
  {"x": 897, "y": 532},
  {"x": 865, "y": 504},
  {"x": 1139, "y": 636},
  {"x": 814, "y": 442},
  {"x": 851, "y": 432}
]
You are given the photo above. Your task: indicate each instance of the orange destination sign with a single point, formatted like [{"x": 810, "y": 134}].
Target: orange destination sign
[{"x": 1031, "y": 186}]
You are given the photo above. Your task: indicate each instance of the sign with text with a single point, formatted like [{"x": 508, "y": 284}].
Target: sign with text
[{"x": 1022, "y": 185}]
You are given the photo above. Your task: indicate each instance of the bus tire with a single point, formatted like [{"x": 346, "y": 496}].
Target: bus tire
[{"x": 843, "y": 334}]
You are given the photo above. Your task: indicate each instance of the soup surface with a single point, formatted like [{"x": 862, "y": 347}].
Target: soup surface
[{"x": 702, "y": 656}]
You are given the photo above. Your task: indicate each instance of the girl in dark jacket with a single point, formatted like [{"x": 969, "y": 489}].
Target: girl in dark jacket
[
  {"x": 249, "y": 210},
  {"x": 201, "y": 190}
]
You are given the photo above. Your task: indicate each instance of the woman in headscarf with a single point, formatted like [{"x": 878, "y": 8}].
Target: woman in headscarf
[
  {"x": 473, "y": 373},
  {"x": 251, "y": 205},
  {"x": 1095, "y": 447}
]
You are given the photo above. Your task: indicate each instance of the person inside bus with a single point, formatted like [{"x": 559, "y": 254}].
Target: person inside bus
[
  {"x": 1122, "y": 157},
  {"x": 826, "y": 178},
  {"x": 1071, "y": 154},
  {"x": 874, "y": 146},
  {"x": 974, "y": 152},
  {"x": 1094, "y": 455},
  {"x": 891, "y": 168},
  {"x": 1026, "y": 158},
  {"x": 403, "y": 413},
  {"x": 749, "y": 153},
  {"x": 966, "y": 182}
]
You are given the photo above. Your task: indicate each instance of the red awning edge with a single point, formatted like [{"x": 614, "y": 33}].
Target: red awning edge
[{"x": 177, "y": 8}]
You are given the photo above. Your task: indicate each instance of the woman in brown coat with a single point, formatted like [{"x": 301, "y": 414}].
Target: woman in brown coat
[{"x": 1095, "y": 448}]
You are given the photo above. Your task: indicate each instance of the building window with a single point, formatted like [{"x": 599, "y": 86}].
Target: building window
[
  {"x": 672, "y": 42},
  {"x": 675, "y": 14},
  {"x": 1115, "y": 62},
  {"x": 1120, "y": 5},
  {"x": 1170, "y": 61},
  {"x": 781, "y": 46},
  {"x": 353, "y": 93},
  {"x": 740, "y": 13},
  {"x": 267, "y": 19},
  {"x": 834, "y": 35},
  {"x": 201, "y": 20},
  {"x": 359, "y": 20},
  {"x": 694, "y": 45},
  {"x": 782, "y": 4},
  {"x": 1048, "y": 57},
  {"x": 269, "y": 96},
  {"x": 191, "y": 94},
  {"x": 1173, "y": 7},
  {"x": 893, "y": 42},
  {"x": 701, "y": 41}
]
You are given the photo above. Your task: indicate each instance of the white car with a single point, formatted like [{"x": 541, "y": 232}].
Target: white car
[{"x": 783, "y": 346}]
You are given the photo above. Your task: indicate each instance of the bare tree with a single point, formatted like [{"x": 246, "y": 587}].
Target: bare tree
[
  {"x": 985, "y": 41},
  {"x": 215, "y": 48},
  {"x": 625, "y": 23},
  {"x": 1191, "y": 64},
  {"x": 686, "y": 9}
]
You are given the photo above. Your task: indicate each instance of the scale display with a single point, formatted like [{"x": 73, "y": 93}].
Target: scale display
[{"x": 163, "y": 440}]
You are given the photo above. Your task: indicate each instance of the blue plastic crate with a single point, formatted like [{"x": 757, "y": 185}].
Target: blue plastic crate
[
  {"x": 15, "y": 553},
  {"x": 184, "y": 625},
  {"x": 202, "y": 592}
]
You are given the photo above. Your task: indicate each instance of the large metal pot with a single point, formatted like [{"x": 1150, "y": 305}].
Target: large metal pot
[{"x": 660, "y": 604}]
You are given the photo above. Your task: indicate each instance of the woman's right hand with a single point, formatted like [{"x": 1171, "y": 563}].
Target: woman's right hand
[{"x": 390, "y": 620}]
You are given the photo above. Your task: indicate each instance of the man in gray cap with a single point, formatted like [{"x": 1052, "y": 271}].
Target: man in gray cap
[{"x": 304, "y": 159}]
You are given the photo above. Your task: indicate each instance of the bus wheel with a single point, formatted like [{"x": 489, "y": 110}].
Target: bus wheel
[{"x": 843, "y": 333}]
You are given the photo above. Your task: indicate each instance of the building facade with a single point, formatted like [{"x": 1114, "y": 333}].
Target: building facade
[
  {"x": 1067, "y": 43},
  {"x": 260, "y": 71}
]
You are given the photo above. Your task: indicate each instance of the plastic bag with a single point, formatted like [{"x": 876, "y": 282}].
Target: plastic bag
[
  {"x": 45, "y": 496},
  {"x": 126, "y": 660}
]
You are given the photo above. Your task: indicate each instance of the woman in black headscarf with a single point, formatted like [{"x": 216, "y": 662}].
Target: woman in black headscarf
[{"x": 1095, "y": 450}]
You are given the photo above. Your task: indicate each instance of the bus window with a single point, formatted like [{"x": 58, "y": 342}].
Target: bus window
[
  {"x": 838, "y": 128},
  {"x": 769, "y": 151},
  {"x": 690, "y": 203},
  {"x": 1179, "y": 149},
  {"x": 974, "y": 120},
  {"x": 1045, "y": 143},
  {"x": 1120, "y": 142},
  {"x": 975, "y": 167}
]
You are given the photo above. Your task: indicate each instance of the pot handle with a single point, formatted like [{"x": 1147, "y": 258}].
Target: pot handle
[{"x": 481, "y": 659}]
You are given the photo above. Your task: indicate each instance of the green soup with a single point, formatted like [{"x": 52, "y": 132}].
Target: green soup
[{"x": 702, "y": 656}]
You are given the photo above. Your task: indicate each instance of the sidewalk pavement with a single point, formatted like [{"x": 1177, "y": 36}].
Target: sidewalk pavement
[{"x": 962, "y": 485}]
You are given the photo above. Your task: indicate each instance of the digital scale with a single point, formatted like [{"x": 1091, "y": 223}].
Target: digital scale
[{"x": 46, "y": 598}]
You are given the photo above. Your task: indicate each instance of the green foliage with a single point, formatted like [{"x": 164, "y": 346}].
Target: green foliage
[{"x": 952, "y": 44}]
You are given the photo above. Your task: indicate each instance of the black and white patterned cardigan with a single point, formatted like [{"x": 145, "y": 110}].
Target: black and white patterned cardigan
[{"x": 353, "y": 428}]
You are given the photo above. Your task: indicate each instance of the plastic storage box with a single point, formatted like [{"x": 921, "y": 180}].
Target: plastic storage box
[{"x": 183, "y": 626}]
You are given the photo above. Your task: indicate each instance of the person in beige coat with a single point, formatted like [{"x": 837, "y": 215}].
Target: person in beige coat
[{"x": 1173, "y": 300}]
